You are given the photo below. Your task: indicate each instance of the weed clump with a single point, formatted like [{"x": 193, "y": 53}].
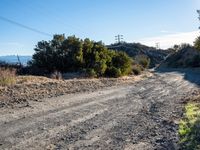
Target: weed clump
[
  {"x": 7, "y": 76},
  {"x": 56, "y": 75},
  {"x": 137, "y": 70}
]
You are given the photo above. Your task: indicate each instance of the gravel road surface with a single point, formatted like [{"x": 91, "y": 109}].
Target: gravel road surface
[{"x": 138, "y": 116}]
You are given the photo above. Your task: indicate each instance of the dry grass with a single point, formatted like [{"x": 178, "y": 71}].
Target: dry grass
[
  {"x": 56, "y": 75},
  {"x": 31, "y": 79},
  {"x": 7, "y": 77}
]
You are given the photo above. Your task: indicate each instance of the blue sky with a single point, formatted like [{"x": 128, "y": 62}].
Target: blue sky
[{"x": 146, "y": 21}]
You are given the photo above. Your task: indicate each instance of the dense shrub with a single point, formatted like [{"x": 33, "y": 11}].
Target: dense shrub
[
  {"x": 197, "y": 43},
  {"x": 156, "y": 56},
  {"x": 14, "y": 66},
  {"x": 194, "y": 62},
  {"x": 186, "y": 56},
  {"x": 113, "y": 72},
  {"x": 73, "y": 54},
  {"x": 7, "y": 76},
  {"x": 91, "y": 73},
  {"x": 122, "y": 62},
  {"x": 142, "y": 60}
]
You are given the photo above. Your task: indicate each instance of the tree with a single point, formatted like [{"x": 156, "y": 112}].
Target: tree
[
  {"x": 198, "y": 11},
  {"x": 73, "y": 54},
  {"x": 176, "y": 47},
  {"x": 197, "y": 41},
  {"x": 48, "y": 55},
  {"x": 87, "y": 52},
  {"x": 73, "y": 48}
]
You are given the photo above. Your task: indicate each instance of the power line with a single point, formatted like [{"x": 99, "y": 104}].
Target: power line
[
  {"x": 45, "y": 12},
  {"x": 158, "y": 45},
  {"x": 24, "y": 26},
  {"x": 119, "y": 38},
  {"x": 198, "y": 11}
]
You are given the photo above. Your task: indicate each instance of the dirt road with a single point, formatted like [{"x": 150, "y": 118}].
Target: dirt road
[{"x": 142, "y": 116}]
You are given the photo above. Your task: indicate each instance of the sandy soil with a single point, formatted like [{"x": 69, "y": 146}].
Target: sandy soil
[{"x": 142, "y": 115}]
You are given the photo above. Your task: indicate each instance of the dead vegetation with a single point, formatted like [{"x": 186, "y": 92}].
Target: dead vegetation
[
  {"x": 7, "y": 76},
  {"x": 34, "y": 88}
]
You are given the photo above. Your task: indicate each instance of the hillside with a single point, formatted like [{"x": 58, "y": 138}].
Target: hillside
[
  {"x": 133, "y": 49},
  {"x": 185, "y": 57}
]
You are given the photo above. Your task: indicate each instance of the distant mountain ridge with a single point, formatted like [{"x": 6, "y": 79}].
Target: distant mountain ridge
[
  {"x": 13, "y": 59},
  {"x": 133, "y": 49}
]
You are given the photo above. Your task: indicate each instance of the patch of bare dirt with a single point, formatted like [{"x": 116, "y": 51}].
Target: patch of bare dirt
[{"x": 33, "y": 88}]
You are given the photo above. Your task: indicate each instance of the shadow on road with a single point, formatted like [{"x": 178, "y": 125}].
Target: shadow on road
[{"x": 192, "y": 74}]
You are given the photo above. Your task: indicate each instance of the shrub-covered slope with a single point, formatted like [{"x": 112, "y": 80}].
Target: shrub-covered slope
[
  {"x": 134, "y": 49},
  {"x": 185, "y": 57}
]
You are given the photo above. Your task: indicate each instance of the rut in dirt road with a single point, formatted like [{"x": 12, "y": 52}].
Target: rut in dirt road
[{"x": 138, "y": 116}]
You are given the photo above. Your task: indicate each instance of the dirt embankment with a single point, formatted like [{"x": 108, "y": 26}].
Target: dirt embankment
[{"x": 32, "y": 88}]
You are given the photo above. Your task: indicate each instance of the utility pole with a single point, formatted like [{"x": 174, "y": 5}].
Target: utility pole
[
  {"x": 198, "y": 11},
  {"x": 19, "y": 62},
  {"x": 119, "y": 38},
  {"x": 158, "y": 45}
]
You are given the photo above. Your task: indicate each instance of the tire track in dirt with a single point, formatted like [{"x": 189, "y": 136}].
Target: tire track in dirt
[{"x": 143, "y": 114}]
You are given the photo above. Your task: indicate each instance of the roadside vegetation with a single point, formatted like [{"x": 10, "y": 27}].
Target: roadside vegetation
[
  {"x": 154, "y": 56},
  {"x": 72, "y": 54},
  {"x": 197, "y": 43},
  {"x": 189, "y": 127},
  {"x": 142, "y": 60},
  {"x": 7, "y": 76},
  {"x": 184, "y": 56}
]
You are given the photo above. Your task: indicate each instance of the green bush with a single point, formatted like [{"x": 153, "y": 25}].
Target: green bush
[
  {"x": 189, "y": 128},
  {"x": 193, "y": 62},
  {"x": 73, "y": 54},
  {"x": 186, "y": 56},
  {"x": 114, "y": 72},
  {"x": 122, "y": 62},
  {"x": 142, "y": 60},
  {"x": 7, "y": 76},
  {"x": 197, "y": 43},
  {"x": 196, "y": 61},
  {"x": 91, "y": 73}
]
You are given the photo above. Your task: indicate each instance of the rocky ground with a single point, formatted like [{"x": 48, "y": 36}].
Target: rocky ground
[
  {"x": 33, "y": 88},
  {"x": 141, "y": 116}
]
